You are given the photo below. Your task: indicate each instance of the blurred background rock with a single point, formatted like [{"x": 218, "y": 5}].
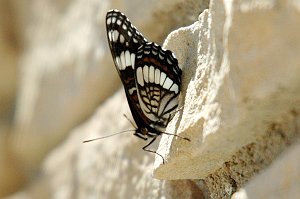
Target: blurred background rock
[{"x": 56, "y": 69}]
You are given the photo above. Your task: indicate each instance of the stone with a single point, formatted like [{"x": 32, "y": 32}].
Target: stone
[
  {"x": 240, "y": 94},
  {"x": 280, "y": 180},
  {"x": 240, "y": 108}
]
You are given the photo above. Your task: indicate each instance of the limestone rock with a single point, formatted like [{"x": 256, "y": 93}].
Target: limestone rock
[
  {"x": 280, "y": 180},
  {"x": 240, "y": 93},
  {"x": 10, "y": 50},
  {"x": 240, "y": 107}
]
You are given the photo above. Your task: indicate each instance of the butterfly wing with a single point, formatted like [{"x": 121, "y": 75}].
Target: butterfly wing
[
  {"x": 158, "y": 80},
  {"x": 124, "y": 40},
  {"x": 150, "y": 75}
]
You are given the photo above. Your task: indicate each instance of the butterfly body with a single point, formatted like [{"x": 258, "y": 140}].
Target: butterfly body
[{"x": 150, "y": 76}]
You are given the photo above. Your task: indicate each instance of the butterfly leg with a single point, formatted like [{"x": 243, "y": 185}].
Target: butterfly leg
[
  {"x": 130, "y": 121},
  {"x": 151, "y": 151},
  {"x": 179, "y": 109}
]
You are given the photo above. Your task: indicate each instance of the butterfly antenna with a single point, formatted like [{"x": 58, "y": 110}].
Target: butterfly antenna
[
  {"x": 184, "y": 138},
  {"x": 130, "y": 121},
  {"x": 108, "y": 136},
  {"x": 177, "y": 110}
]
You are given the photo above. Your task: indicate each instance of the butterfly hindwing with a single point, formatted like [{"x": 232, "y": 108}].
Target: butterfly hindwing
[{"x": 158, "y": 80}]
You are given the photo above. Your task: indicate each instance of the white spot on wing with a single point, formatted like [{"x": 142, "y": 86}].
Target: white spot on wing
[
  {"x": 168, "y": 83},
  {"x": 145, "y": 71},
  {"x": 122, "y": 56},
  {"x": 124, "y": 26},
  {"x": 118, "y": 61},
  {"x": 115, "y": 35},
  {"x": 109, "y": 35},
  {"x": 174, "y": 88},
  {"x": 151, "y": 74},
  {"x": 122, "y": 39},
  {"x": 108, "y": 21},
  {"x": 127, "y": 58},
  {"x": 132, "y": 57},
  {"x": 161, "y": 56},
  {"x": 139, "y": 56},
  {"x": 113, "y": 19},
  {"x": 129, "y": 33},
  {"x": 131, "y": 90},
  {"x": 139, "y": 75},
  {"x": 157, "y": 76},
  {"x": 162, "y": 77},
  {"x": 119, "y": 22}
]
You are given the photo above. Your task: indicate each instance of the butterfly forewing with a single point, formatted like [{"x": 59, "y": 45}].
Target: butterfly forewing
[{"x": 124, "y": 40}]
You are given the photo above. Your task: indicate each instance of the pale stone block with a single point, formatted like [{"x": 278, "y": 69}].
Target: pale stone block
[{"x": 240, "y": 93}]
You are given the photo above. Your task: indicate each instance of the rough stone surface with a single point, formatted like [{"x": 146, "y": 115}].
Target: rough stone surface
[
  {"x": 241, "y": 93},
  {"x": 280, "y": 180},
  {"x": 9, "y": 51},
  {"x": 62, "y": 70},
  {"x": 240, "y": 102}
]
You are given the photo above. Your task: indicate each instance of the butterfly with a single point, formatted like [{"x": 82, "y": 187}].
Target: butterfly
[{"x": 150, "y": 75}]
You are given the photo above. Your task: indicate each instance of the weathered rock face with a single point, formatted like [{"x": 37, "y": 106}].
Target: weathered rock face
[
  {"x": 240, "y": 99},
  {"x": 9, "y": 52},
  {"x": 280, "y": 180}
]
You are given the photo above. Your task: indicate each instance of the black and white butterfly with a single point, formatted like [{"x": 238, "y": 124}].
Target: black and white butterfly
[{"x": 150, "y": 76}]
